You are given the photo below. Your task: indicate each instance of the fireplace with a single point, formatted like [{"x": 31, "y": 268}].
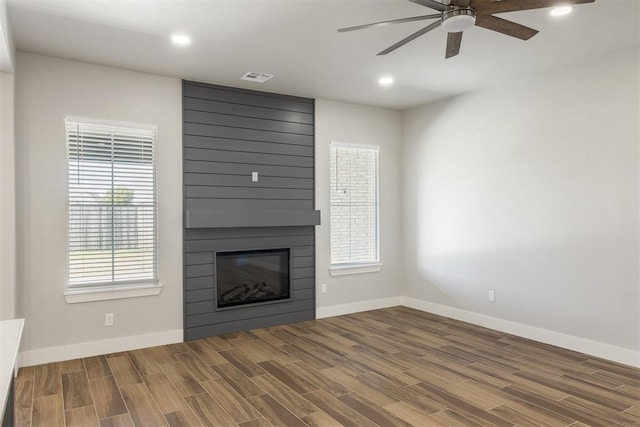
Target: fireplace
[{"x": 252, "y": 277}]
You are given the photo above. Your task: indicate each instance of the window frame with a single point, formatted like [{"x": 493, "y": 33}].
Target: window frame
[
  {"x": 85, "y": 292},
  {"x": 359, "y": 267}
]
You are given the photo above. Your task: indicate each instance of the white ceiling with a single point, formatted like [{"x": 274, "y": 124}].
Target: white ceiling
[{"x": 297, "y": 41}]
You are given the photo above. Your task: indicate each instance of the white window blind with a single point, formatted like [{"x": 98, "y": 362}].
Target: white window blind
[
  {"x": 112, "y": 205},
  {"x": 354, "y": 204}
]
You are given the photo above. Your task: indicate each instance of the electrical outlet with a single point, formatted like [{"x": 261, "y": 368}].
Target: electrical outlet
[
  {"x": 323, "y": 288},
  {"x": 108, "y": 319},
  {"x": 492, "y": 296}
]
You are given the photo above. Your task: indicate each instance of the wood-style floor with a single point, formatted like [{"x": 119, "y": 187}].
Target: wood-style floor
[{"x": 388, "y": 367}]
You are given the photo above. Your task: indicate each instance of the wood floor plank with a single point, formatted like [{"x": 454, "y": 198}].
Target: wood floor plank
[
  {"x": 106, "y": 397},
  {"x": 406, "y": 394},
  {"x": 209, "y": 411},
  {"x": 317, "y": 380},
  {"x": 320, "y": 419},
  {"x": 240, "y": 361},
  {"x": 349, "y": 380},
  {"x": 239, "y": 381},
  {"x": 274, "y": 412},
  {"x": 48, "y": 411},
  {"x": 183, "y": 418},
  {"x": 453, "y": 419},
  {"x": 288, "y": 377},
  {"x": 518, "y": 418},
  {"x": 96, "y": 367},
  {"x": 337, "y": 410},
  {"x": 74, "y": 365},
  {"x": 142, "y": 408},
  {"x": 294, "y": 402},
  {"x": 26, "y": 373},
  {"x": 47, "y": 380},
  {"x": 258, "y": 422},
  {"x": 205, "y": 352},
  {"x": 218, "y": 344},
  {"x": 461, "y": 407},
  {"x": 164, "y": 393},
  {"x": 123, "y": 370},
  {"x": 412, "y": 415},
  {"x": 601, "y": 412},
  {"x": 178, "y": 348},
  {"x": 549, "y": 404},
  {"x": 233, "y": 402},
  {"x": 587, "y": 392},
  {"x": 182, "y": 379},
  {"x": 480, "y": 395},
  {"x": 123, "y": 420},
  {"x": 161, "y": 354},
  {"x": 144, "y": 362},
  {"x": 23, "y": 392},
  {"x": 75, "y": 390},
  {"x": 367, "y": 408},
  {"x": 196, "y": 367},
  {"x": 81, "y": 417}
]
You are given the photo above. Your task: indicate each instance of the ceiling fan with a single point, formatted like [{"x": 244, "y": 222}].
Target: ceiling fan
[{"x": 455, "y": 16}]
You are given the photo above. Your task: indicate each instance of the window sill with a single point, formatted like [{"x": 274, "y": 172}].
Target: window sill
[
  {"x": 343, "y": 270},
  {"x": 107, "y": 293}
]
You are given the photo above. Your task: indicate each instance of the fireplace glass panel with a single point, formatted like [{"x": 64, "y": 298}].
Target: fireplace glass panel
[{"x": 248, "y": 277}]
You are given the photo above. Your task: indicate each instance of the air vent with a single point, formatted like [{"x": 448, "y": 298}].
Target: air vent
[{"x": 252, "y": 76}]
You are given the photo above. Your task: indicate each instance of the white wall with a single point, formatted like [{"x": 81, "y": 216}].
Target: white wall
[
  {"x": 7, "y": 199},
  {"x": 342, "y": 122},
  {"x": 7, "y": 47},
  {"x": 47, "y": 90},
  {"x": 531, "y": 190}
]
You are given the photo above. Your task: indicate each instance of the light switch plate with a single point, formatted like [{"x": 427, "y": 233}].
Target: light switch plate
[{"x": 254, "y": 176}]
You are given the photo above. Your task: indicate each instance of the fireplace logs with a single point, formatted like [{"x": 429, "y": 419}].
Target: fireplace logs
[{"x": 246, "y": 292}]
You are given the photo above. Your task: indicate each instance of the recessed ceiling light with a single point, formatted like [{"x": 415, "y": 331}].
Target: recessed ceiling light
[
  {"x": 385, "y": 81},
  {"x": 561, "y": 10},
  {"x": 181, "y": 39}
]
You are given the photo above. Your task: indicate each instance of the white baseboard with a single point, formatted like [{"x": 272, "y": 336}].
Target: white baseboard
[
  {"x": 356, "y": 307},
  {"x": 96, "y": 348},
  {"x": 582, "y": 345},
  {"x": 570, "y": 342}
]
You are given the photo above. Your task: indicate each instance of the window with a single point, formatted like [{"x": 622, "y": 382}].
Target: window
[
  {"x": 112, "y": 206},
  {"x": 353, "y": 206}
]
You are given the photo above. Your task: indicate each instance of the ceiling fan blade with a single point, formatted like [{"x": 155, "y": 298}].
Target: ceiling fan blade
[
  {"x": 435, "y": 5},
  {"x": 516, "y": 5},
  {"x": 410, "y": 38},
  {"x": 503, "y": 26},
  {"x": 393, "y": 21},
  {"x": 453, "y": 44}
]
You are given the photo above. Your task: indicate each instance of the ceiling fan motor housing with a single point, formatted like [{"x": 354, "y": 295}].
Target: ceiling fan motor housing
[{"x": 458, "y": 19}]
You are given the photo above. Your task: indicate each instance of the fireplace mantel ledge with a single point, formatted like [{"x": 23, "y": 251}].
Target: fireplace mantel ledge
[{"x": 221, "y": 218}]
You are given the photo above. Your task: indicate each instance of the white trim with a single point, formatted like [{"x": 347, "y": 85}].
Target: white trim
[
  {"x": 343, "y": 270},
  {"x": 97, "y": 348},
  {"x": 112, "y": 123},
  {"x": 10, "y": 336},
  {"x": 73, "y": 296},
  {"x": 570, "y": 342},
  {"x": 352, "y": 145},
  {"x": 356, "y": 307}
]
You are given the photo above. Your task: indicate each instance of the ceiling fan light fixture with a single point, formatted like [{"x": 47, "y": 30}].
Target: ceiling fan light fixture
[
  {"x": 561, "y": 10},
  {"x": 457, "y": 20}
]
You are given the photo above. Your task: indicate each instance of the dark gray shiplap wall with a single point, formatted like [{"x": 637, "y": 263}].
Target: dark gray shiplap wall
[{"x": 228, "y": 134}]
